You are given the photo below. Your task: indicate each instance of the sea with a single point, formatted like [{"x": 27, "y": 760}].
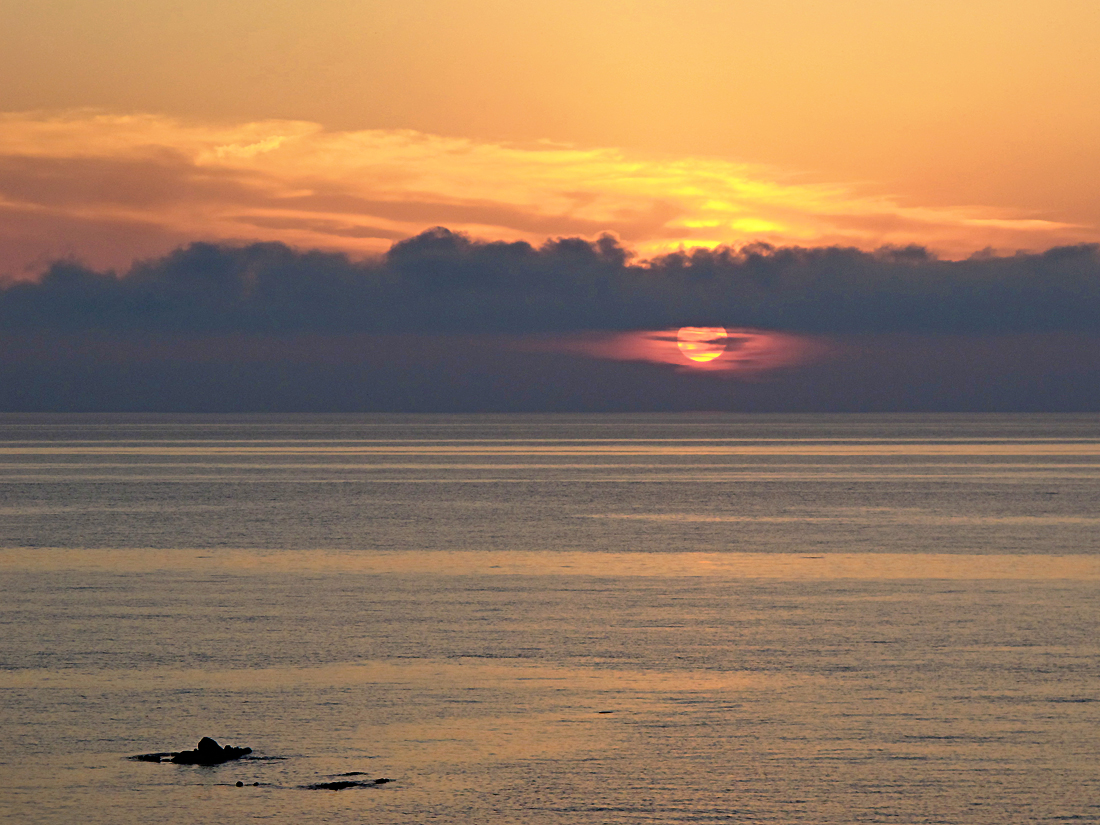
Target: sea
[{"x": 551, "y": 619}]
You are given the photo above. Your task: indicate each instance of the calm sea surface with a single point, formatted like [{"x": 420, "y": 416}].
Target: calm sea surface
[{"x": 552, "y": 619}]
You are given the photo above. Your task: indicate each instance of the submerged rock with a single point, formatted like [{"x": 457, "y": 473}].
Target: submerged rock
[
  {"x": 335, "y": 786},
  {"x": 153, "y": 757},
  {"x": 346, "y": 783}
]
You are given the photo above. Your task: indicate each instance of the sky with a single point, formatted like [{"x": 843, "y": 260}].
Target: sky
[{"x": 339, "y": 135}]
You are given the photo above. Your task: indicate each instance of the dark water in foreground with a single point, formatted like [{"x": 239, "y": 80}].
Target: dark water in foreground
[{"x": 552, "y": 619}]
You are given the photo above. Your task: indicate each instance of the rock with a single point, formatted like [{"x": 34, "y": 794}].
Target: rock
[
  {"x": 209, "y": 752},
  {"x": 335, "y": 786},
  {"x": 346, "y": 783},
  {"x": 152, "y": 757}
]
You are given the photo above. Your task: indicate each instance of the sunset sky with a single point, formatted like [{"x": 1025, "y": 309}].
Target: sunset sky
[{"x": 130, "y": 129}]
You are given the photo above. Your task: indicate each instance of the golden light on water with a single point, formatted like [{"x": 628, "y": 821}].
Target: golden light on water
[{"x": 701, "y": 343}]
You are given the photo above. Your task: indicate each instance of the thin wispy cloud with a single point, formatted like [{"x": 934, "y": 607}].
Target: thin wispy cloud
[{"x": 107, "y": 188}]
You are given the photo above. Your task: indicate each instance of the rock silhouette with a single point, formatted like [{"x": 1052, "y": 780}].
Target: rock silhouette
[
  {"x": 208, "y": 752},
  {"x": 346, "y": 783}
]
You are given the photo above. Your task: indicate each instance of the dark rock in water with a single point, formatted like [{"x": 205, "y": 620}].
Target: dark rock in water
[
  {"x": 346, "y": 783},
  {"x": 153, "y": 757},
  {"x": 240, "y": 784},
  {"x": 335, "y": 786},
  {"x": 208, "y": 752}
]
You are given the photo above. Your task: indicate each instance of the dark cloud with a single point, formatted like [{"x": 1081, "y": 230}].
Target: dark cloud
[
  {"x": 445, "y": 323},
  {"x": 442, "y": 282}
]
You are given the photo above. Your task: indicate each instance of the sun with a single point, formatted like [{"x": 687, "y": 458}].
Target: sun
[{"x": 701, "y": 343}]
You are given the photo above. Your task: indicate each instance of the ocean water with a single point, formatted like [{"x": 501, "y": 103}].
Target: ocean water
[{"x": 551, "y": 619}]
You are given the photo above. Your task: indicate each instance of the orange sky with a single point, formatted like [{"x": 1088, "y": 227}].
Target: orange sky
[{"x": 133, "y": 127}]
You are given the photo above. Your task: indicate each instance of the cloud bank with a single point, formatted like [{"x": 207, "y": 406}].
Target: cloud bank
[
  {"x": 442, "y": 282},
  {"x": 108, "y": 189}
]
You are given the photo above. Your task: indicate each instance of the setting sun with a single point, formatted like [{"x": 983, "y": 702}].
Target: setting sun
[{"x": 701, "y": 343}]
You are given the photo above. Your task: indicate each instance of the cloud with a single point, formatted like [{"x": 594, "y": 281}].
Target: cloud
[
  {"x": 442, "y": 322},
  {"x": 441, "y": 282},
  {"x": 148, "y": 177}
]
